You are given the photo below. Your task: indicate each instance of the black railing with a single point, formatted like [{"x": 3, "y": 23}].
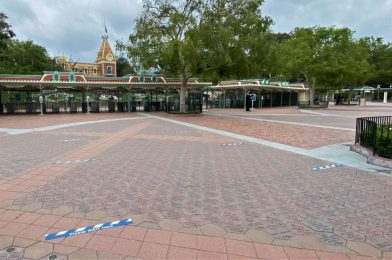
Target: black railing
[{"x": 375, "y": 133}]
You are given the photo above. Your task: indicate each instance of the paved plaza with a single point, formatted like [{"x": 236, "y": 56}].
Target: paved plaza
[{"x": 222, "y": 185}]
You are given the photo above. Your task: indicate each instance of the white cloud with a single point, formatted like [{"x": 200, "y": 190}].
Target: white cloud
[
  {"x": 366, "y": 17},
  {"x": 75, "y": 27},
  {"x": 72, "y": 27}
]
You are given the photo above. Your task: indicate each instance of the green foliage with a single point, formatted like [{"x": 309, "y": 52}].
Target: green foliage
[
  {"x": 213, "y": 39},
  {"x": 123, "y": 67},
  {"x": 324, "y": 57},
  {"x": 6, "y": 34},
  {"x": 381, "y": 60},
  {"x": 24, "y": 57},
  {"x": 384, "y": 141}
]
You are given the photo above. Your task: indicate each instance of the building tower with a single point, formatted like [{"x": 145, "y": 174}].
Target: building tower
[{"x": 106, "y": 60}]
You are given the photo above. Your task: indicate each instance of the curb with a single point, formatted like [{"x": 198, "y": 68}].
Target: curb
[{"x": 375, "y": 160}]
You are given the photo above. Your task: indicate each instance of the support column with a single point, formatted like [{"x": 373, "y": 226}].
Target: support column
[
  {"x": 281, "y": 99},
  {"x": 129, "y": 102},
  {"x": 260, "y": 100},
  {"x": 224, "y": 98},
  {"x": 244, "y": 99},
  {"x": 385, "y": 97},
  {"x": 1, "y": 104}
]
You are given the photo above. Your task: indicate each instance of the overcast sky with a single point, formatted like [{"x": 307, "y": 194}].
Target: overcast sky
[{"x": 75, "y": 27}]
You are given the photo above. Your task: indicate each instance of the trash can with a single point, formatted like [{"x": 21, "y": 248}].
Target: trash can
[{"x": 363, "y": 102}]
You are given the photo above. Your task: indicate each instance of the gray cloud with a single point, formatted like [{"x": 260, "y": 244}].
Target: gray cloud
[
  {"x": 365, "y": 17},
  {"x": 72, "y": 27},
  {"x": 75, "y": 27}
]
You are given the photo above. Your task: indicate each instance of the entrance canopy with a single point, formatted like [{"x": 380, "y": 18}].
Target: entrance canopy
[
  {"x": 259, "y": 84},
  {"x": 76, "y": 81}
]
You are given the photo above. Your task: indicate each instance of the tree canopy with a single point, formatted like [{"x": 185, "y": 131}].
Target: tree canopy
[
  {"x": 6, "y": 32},
  {"x": 324, "y": 58},
  {"x": 24, "y": 57}
]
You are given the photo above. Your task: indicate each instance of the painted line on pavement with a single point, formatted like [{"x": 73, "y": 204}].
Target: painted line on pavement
[
  {"x": 18, "y": 131},
  {"x": 85, "y": 230},
  {"x": 317, "y": 113},
  {"x": 285, "y": 122},
  {"x": 327, "y": 167},
  {"x": 336, "y": 153}
]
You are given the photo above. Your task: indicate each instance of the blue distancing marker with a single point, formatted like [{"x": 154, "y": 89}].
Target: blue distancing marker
[
  {"x": 85, "y": 230},
  {"x": 76, "y": 161},
  {"x": 327, "y": 167}
]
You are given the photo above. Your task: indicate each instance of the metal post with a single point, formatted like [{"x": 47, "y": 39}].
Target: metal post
[
  {"x": 88, "y": 104},
  {"x": 271, "y": 98},
  {"x": 260, "y": 102},
  {"x": 289, "y": 98},
  {"x": 224, "y": 99},
  {"x": 129, "y": 103},
  {"x": 41, "y": 101},
  {"x": 244, "y": 99},
  {"x": 281, "y": 98}
]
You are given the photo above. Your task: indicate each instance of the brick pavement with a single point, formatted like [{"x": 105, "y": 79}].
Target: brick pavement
[
  {"x": 190, "y": 197},
  {"x": 32, "y": 121},
  {"x": 293, "y": 135}
]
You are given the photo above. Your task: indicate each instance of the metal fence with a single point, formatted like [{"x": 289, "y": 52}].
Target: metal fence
[{"x": 375, "y": 133}]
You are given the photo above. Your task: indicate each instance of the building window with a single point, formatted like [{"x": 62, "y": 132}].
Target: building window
[
  {"x": 95, "y": 71},
  {"x": 85, "y": 70},
  {"x": 109, "y": 70}
]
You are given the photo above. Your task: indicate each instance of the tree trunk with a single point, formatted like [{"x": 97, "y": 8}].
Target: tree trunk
[
  {"x": 182, "y": 99},
  {"x": 350, "y": 95},
  {"x": 311, "y": 91},
  {"x": 183, "y": 93}
]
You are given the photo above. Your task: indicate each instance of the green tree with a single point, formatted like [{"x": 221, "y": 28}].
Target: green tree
[
  {"x": 269, "y": 54},
  {"x": 380, "y": 59},
  {"x": 123, "y": 66},
  {"x": 25, "y": 57},
  {"x": 213, "y": 39},
  {"x": 232, "y": 34},
  {"x": 162, "y": 37},
  {"x": 325, "y": 57},
  {"x": 6, "y": 34}
]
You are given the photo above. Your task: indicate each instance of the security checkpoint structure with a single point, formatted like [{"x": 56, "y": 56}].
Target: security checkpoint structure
[
  {"x": 77, "y": 92},
  {"x": 232, "y": 94}
]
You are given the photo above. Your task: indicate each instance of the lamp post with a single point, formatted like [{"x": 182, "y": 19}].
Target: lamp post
[
  {"x": 88, "y": 105},
  {"x": 41, "y": 101}
]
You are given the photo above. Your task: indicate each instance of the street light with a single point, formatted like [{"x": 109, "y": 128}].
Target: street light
[
  {"x": 41, "y": 101},
  {"x": 88, "y": 106}
]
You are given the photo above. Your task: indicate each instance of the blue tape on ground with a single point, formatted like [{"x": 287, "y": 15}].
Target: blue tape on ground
[
  {"x": 327, "y": 167},
  {"x": 84, "y": 230}
]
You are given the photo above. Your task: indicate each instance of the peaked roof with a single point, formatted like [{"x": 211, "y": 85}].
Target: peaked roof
[{"x": 105, "y": 50}]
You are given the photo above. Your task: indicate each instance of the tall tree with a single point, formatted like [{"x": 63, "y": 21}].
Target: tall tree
[
  {"x": 162, "y": 37},
  {"x": 212, "y": 39},
  {"x": 380, "y": 59},
  {"x": 325, "y": 57},
  {"x": 25, "y": 57},
  {"x": 5, "y": 31},
  {"x": 123, "y": 66},
  {"x": 232, "y": 33}
]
